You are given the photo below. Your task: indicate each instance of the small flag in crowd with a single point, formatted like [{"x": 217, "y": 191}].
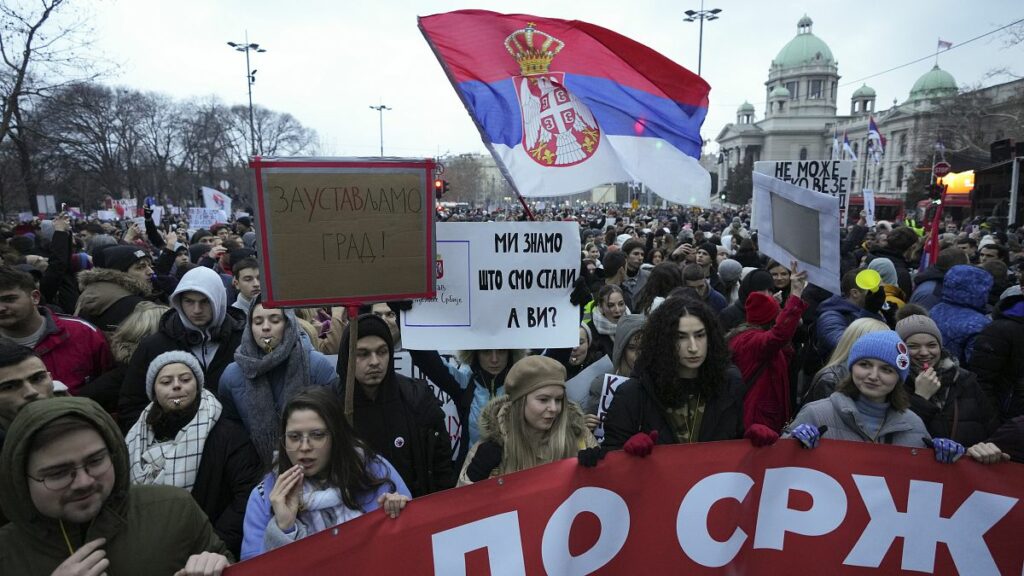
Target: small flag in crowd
[
  {"x": 847, "y": 149},
  {"x": 835, "y": 144},
  {"x": 875, "y": 137},
  {"x": 564, "y": 105},
  {"x": 944, "y": 45}
]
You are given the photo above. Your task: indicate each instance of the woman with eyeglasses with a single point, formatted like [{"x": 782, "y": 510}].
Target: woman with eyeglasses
[
  {"x": 182, "y": 439},
  {"x": 324, "y": 476}
]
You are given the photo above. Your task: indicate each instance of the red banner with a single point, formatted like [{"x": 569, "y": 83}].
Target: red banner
[{"x": 844, "y": 508}]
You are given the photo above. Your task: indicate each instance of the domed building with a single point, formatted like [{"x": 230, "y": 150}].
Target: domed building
[{"x": 800, "y": 118}]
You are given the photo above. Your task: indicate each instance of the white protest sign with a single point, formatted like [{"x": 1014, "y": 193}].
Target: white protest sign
[
  {"x": 106, "y": 215},
  {"x": 826, "y": 176},
  {"x": 216, "y": 200},
  {"x": 608, "y": 387},
  {"x": 46, "y": 204},
  {"x": 25, "y": 216},
  {"x": 158, "y": 215},
  {"x": 577, "y": 388},
  {"x": 205, "y": 217},
  {"x": 500, "y": 285},
  {"x": 869, "y": 206},
  {"x": 140, "y": 222},
  {"x": 795, "y": 223}
]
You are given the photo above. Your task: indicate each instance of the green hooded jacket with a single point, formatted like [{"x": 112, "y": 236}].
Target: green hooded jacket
[{"x": 149, "y": 529}]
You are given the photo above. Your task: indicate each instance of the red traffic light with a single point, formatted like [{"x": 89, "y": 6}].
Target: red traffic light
[{"x": 438, "y": 184}]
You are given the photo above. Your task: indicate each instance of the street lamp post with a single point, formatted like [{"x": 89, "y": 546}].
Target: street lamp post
[
  {"x": 250, "y": 77},
  {"x": 380, "y": 110},
  {"x": 702, "y": 15}
]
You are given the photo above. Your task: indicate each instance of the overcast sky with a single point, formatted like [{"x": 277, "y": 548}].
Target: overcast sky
[{"x": 327, "y": 61}]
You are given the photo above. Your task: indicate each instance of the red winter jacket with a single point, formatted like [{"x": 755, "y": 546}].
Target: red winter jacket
[
  {"x": 767, "y": 401},
  {"x": 73, "y": 350}
]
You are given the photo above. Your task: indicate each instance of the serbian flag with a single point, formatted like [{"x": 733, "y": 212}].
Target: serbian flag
[
  {"x": 564, "y": 105},
  {"x": 930, "y": 253}
]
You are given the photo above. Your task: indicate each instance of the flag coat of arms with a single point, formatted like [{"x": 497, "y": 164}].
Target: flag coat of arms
[{"x": 565, "y": 105}]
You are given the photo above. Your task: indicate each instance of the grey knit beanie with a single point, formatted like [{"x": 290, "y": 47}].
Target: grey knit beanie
[{"x": 173, "y": 357}]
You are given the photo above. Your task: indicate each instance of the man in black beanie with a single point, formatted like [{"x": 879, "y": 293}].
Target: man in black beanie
[{"x": 398, "y": 417}]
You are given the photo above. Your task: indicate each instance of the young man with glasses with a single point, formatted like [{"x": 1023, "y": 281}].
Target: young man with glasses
[{"x": 64, "y": 483}]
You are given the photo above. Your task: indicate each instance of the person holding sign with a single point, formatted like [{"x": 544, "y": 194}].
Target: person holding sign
[
  {"x": 762, "y": 349},
  {"x": 324, "y": 476},
  {"x": 532, "y": 425},
  {"x": 684, "y": 390}
]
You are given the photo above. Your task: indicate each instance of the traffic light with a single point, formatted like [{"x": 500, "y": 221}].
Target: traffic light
[{"x": 440, "y": 188}]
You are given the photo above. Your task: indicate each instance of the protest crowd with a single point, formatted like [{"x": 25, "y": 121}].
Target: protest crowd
[{"x": 156, "y": 416}]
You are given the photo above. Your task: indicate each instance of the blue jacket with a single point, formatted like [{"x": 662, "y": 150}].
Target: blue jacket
[
  {"x": 928, "y": 288},
  {"x": 834, "y": 315},
  {"x": 233, "y": 385},
  {"x": 258, "y": 513},
  {"x": 716, "y": 300},
  {"x": 961, "y": 314}
]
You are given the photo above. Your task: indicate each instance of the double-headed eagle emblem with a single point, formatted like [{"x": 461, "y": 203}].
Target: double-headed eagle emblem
[{"x": 558, "y": 129}]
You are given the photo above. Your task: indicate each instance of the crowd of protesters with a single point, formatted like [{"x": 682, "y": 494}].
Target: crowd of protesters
[{"x": 187, "y": 425}]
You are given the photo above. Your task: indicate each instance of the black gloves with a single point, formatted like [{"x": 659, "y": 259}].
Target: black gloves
[
  {"x": 487, "y": 457},
  {"x": 589, "y": 457}
]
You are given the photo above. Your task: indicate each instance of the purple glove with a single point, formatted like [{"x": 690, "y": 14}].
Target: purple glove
[
  {"x": 947, "y": 451},
  {"x": 808, "y": 434}
]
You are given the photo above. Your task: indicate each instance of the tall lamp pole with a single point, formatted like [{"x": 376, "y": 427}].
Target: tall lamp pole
[
  {"x": 250, "y": 78},
  {"x": 380, "y": 110},
  {"x": 702, "y": 15}
]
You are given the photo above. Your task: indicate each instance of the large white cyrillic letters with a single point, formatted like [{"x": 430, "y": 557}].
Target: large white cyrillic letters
[
  {"x": 499, "y": 534},
  {"x": 922, "y": 527},
  {"x": 613, "y": 513},
  {"x": 775, "y": 517},
  {"x": 692, "y": 519}
]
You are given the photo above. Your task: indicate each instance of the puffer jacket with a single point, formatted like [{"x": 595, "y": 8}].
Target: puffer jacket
[
  {"x": 825, "y": 382},
  {"x": 148, "y": 529},
  {"x": 839, "y": 412},
  {"x": 108, "y": 296},
  {"x": 959, "y": 410},
  {"x": 999, "y": 358},
  {"x": 961, "y": 314},
  {"x": 493, "y": 428}
]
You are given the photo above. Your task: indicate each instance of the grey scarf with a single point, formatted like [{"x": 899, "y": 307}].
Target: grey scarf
[{"x": 259, "y": 397}]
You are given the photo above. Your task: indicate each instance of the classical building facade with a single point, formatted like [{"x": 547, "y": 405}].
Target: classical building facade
[{"x": 801, "y": 116}]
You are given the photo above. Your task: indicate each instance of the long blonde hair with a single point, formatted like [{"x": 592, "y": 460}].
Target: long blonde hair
[
  {"x": 521, "y": 451},
  {"x": 142, "y": 322},
  {"x": 853, "y": 332}
]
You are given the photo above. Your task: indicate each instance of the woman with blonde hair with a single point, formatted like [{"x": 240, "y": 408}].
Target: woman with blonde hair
[
  {"x": 142, "y": 322},
  {"x": 835, "y": 371},
  {"x": 533, "y": 424}
]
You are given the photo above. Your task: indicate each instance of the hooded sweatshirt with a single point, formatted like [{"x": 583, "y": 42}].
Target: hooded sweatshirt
[
  {"x": 149, "y": 529},
  {"x": 961, "y": 314},
  {"x": 628, "y": 326},
  {"x": 208, "y": 283}
]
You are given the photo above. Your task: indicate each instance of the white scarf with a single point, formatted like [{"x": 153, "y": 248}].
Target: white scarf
[
  {"x": 323, "y": 509},
  {"x": 604, "y": 325},
  {"x": 176, "y": 461}
]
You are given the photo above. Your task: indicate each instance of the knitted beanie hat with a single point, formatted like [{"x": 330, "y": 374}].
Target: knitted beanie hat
[
  {"x": 173, "y": 357},
  {"x": 918, "y": 324},
  {"x": 885, "y": 346},
  {"x": 531, "y": 373},
  {"x": 729, "y": 270},
  {"x": 761, "y": 309},
  {"x": 123, "y": 257}
]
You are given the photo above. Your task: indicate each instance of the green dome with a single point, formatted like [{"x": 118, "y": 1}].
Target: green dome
[
  {"x": 806, "y": 48},
  {"x": 779, "y": 91},
  {"x": 745, "y": 107},
  {"x": 936, "y": 83},
  {"x": 864, "y": 91}
]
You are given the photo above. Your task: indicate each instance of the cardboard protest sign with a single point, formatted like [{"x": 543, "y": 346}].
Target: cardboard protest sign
[
  {"x": 608, "y": 387},
  {"x": 833, "y": 177},
  {"x": 795, "y": 223},
  {"x": 577, "y": 388},
  {"x": 500, "y": 285},
  {"x": 345, "y": 231},
  {"x": 205, "y": 217}
]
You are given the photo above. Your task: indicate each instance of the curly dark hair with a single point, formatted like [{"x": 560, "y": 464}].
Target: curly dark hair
[
  {"x": 659, "y": 359},
  {"x": 662, "y": 280}
]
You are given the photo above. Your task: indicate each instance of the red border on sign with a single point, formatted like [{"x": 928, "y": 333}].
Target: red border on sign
[{"x": 258, "y": 164}]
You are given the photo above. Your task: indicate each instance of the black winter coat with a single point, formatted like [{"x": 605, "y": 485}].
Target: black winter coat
[
  {"x": 405, "y": 425},
  {"x": 964, "y": 415},
  {"x": 172, "y": 335},
  {"x": 58, "y": 284},
  {"x": 998, "y": 360},
  {"x": 635, "y": 408},
  {"x": 228, "y": 470}
]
